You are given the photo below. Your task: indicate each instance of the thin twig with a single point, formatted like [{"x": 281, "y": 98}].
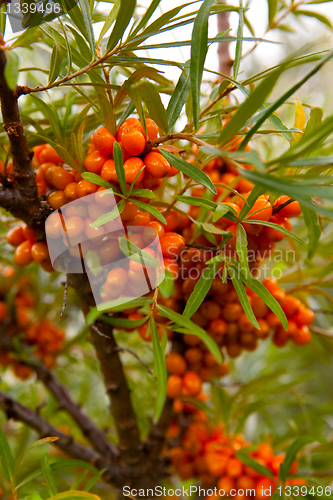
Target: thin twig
[
  {"x": 132, "y": 353},
  {"x": 64, "y": 302}
]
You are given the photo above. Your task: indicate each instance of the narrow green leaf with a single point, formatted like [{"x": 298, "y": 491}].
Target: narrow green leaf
[
  {"x": 188, "y": 325},
  {"x": 11, "y": 69},
  {"x": 123, "y": 19},
  {"x": 239, "y": 43},
  {"x": 272, "y": 10},
  {"x": 6, "y": 457},
  {"x": 108, "y": 114},
  {"x": 41, "y": 442},
  {"x": 167, "y": 286},
  {"x": 115, "y": 212},
  {"x": 96, "y": 179},
  {"x": 314, "y": 230},
  {"x": 297, "y": 445},
  {"x": 55, "y": 63},
  {"x": 135, "y": 253},
  {"x": 152, "y": 99},
  {"x": 147, "y": 15},
  {"x": 118, "y": 161},
  {"x": 243, "y": 298},
  {"x": 198, "y": 202},
  {"x": 220, "y": 211},
  {"x": 89, "y": 484},
  {"x": 85, "y": 9},
  {"x": 160, "y": 368},
  {"x": 189, "y": 170},
  {"x": 253, "y": 464},
  {"x": 201, "y": 289},
  {"x": 278, "y": 228},
  {"x": 150, "y": 209},
  {"x": 125, "y": 323},
  {"x": 316, "y": 15},
  {"x": 199, "y": 47},
  {"x": 250, "y": 201},
  {"x": 109, "y": 20},
  {"x": 179, "y": 95},
  {"x": 84, "y": 48},
  {"x": 242, "y": 251},
  {"x": 144, "y": 193},
  {"x": 78, "y": 495},
  {"x": 48, "y": 474}
]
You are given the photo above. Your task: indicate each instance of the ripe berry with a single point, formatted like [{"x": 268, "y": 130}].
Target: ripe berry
[
  {"x": 174, "y": 386},
  {"x": 57, "y": 199},
  {"x": 291, "y": 210},
  {"x": 129, "y": 123},
  {"x": 192, "y": 384},
  {"x": 172, "y": 244},
  {"x": 22, "y": 255},
  {"x": 150, "y": 182},
  {"x": 153, "y": 230},
  {"x": 85, "y": 188},
  {"x": 218, "y": 326},
  {"x": 117, "y": 279},
  {"x": 175, "y": 363},
  {"x": 49, "y": 154},
  {"x": 104, "y": 141},
  {"x": 152, "y": 129},
  {"x": 15, "y": 236},
  {"x": 157, "y": 165},
  {"x": 71, "y": 191},
  {"x": 302, "y": 336},
  {"x": 39, "y": 251},
  {"x": 95, "y": 161},
  {"x": 133, "y": 141},
  {"x": 61, "y": 177}
]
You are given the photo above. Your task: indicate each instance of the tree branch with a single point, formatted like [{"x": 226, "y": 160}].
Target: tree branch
[{"x": 66, "y": 443}]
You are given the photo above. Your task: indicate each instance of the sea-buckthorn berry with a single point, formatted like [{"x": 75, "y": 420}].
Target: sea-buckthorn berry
[
  {"x": 226, "y": 484},
  {"x": 153, "y": 230},
  {"x": 234, "y": 468},
  {"x": 174, "y": 386},
  {"x": 291, "y": 306},
  {"x": 173, "y": 267},
  {"x": 140, "y": 219},
  {"x": 93, "y": 233},
  {"x": 15, "y": 236},
  {"x": 28, "y": 233},
  {"x": 192, "y": 384},
  {"x": 105, "y": 197},
  {"x": 133, "y": 141},
  {"x": 302, "y": 336},
  {"x": 7, "y": 170},
  {"x": 85, "y": 188},
  {"x": 274, "y": 234},
  {"x": 53, "y": 226},
  {"x": 273, "y": 320},
  {"x": 263, "y": 486},
  {"x": 57, "y": 199},
  {"x": 280, "y": 338},
  {"x": 71, "y": 191},
  {"x": 223, "y": 220},
  {"x": 49, "y": 154},
  {"x": 245, "y": 324},
  {"x": 231, "y": 245},
  {"x": 265, "y": 452},
  {"x": 172, "y": 219},
  {"x": 231, "y": 312},
  {"x": 157, "y": 165},
  {"x": 39, "y": 251},
  {"x": 43, "y": 169},
  {"x": 22, "y": 255},
  {"x": 130, "y": 122},
  {"x": 173, "y": 171},
  {"x": 193, "y": 355},
  {"x": 261, "y": 210},
  {"x": 132, "y": 168},
  {"x": 129, "y": 212},
  {"x": 304, "y": 316},
  {"x": 74, "y": 226},
  {"x": 103, "y": 141},
  {"x": 48, "y": 175},
  {"x": 243, "y": 185},
  {"x": 259, "y": 307},
  {"x": 138, "y": 267},
  {"x": 61, "y": 177},
  {"x": 108, "y": 172},
  {"x": 117, "y": 278},
  {"x": 291, "y": 210},
  {"x": 108, "y": 251},
  {"x": 218, "y": 326},
  {"x": 37, "y": 151},
  {"x": 94, "y": 162},
  {"x": 234, "y": 350},
  {"x": 152, "y": 129},
  {"x": 172, "y": 244},
  {"x": 263, "y": 333},
  {"x": 271, "y": 284},
  {"x": 150, "y": 182},
  {"x": 210, "y": 309},
  {"x": 175, "y": 363}
]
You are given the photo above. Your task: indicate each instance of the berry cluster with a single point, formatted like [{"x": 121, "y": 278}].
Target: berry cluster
[
  {"x": 27, "y": 249},
  {"x": 206, "y": 452},
  {"x": 45, "y": 337}
]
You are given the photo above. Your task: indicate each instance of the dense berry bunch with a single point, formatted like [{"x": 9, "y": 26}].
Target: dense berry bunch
[
  {"x": 206, "y": 452},
  {"x": 27, "y": 248},
  {"x": 18, "y": 319}
]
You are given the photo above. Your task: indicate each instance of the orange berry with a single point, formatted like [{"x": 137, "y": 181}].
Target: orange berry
[
  {"x": 103, "y": 141},
  {"x": 218, "y": 326},
  {"x": 173, "y": 267},
  {"x": 117, "y": 278},
  {"x": 150, "y": 182},
  {"x": 261, "y": 210},
  {"x": 28, "y": 233},
  {"x": 141, "y": 219},
  {"x": 15, "y": 236},
  {"x": 49, "y": 154},
  {"x": 71, "y": 191},
  {"x": 132, "y": 167},
  {"x": 39, "y": 251},
  {"x": 265, "y": 488},
  {"x": 22, "y": 255},
  {"x": 129, "y": 123},
  {"x": 57, "y": 199},
  {"x": 153, "y": 230},
  {"x": 234, "y": 467},
  {"x": 129, "y": 212},
  {"x": 137, "y": 267},
  {"x": 302, "y": 336},
  {"x": 175, "y": 363},
  {"x": 61, "y": 177},
  {"x": 291, "y": 210},
  {"x": 226, "y": 484},
  {"x": 174, "y": 386},
  {"x": 210, "y": 309},
  {"x": 193, "y": 355},
  {"x": 152, "y": 129},
  {"x": 291, "y": 306},
  {"x": 231, "y": 312},
  {"x": 94, "y": 162},
  {"x": 172, "y": 244},
  {"x": 37, "y": 151},
  {"x": 157, "y": 165},
  {"x": 85, "y": 188},
  {"x": 172, "y": 220},
  {"x": 192, "y": 384},
  {"x": 133, "y": 141}
]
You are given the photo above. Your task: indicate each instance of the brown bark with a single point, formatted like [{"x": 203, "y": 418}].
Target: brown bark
[{"x": 225, "y": 62}]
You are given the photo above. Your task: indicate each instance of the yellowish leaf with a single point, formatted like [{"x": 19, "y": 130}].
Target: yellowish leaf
[{"x": 299, "y": 119}]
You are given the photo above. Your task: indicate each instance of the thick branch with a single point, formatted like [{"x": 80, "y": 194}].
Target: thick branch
[{"x": 66, "y": 443}]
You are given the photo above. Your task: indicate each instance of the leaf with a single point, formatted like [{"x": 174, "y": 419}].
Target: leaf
[
  {"x": 125, "y": 323},
  {"x": 201, "y": 289},
  {"x": 96, "y": 179},
  {"x": 135, "y": 253},
  {"x": 199, "y": 47},
  {"x": 278, "y": 228},
  {"x": 253, "y": 464},
  {"x": 6, "y": 457},
  {"x": 317, "y": 15},
  {"x": 220, "y": 211},
  {"x": 11, "y": 69},
  {"x": 115, "y": 212},
  {"x": 78, "y": 495},
  {"x": 48, "y": 474},
  {"x": 118, "y": 161},
  {"x": 297, "y": 445},
  {"x": 239, "y": 43},
  {"x": 150, "y": 209},
  {"x": 250, "y": 201},
  {"x": 199, "y": 202},
  {"x": 300, "y": 118},
  {"x": 117, "y": 306},
  {"x": 108, "y": 114},
  {"x": 147, "y": 15},
  {"x": 154, "y": 104},
  {"x": 314, "y": 230},
  {"x": 193, "y": 328},
  {"x": 109, "y": 20},
  {"x": 167, "y": 286},
  {"x": 179, "y": 95},
  {"x": 243, "y": 298},
  {"x": 189, "y": 170},
  {"x": 160, "y": 368},
  {"x": 272, "y": 10},
  {"x": 55, "y": 63},
  {"x": 242, "y": 251},
  {"x": 124, "y": 17},
  {"x": 85, "y": 9},
  {"x": 89, "y": 484},
  {"x": 42, "y": 441}
]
